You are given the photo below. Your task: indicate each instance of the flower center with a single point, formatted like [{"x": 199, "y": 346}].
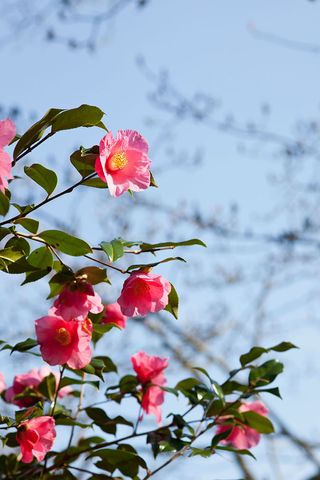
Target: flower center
[
  {"x": 118, "y": 161},
  {"x": 87, "y": 326},
  {"x": 63, "y": 336},
  {"x": 141, "y": 288}
]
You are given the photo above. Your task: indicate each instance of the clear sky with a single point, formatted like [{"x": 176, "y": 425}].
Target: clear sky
[{"x": 206, "y": 46}]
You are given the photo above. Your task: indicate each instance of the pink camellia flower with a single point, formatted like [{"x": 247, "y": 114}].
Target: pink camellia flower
[
  {"x": 123, "y": 162},
  {"x": 7, "y": 133},
  {"x": 64, "y": 341},
  {"x": 76, "y": 303},
  {"x": 149, "y": 370},
  {"x": 2, "y": 383},
  {"x": 113, "y": 314},
  {"x": 144, "y": 292},
  {"x": 30, "y": 381},
  {"x": 36, "y": 437},
  {"x": 241, "y": 436}
]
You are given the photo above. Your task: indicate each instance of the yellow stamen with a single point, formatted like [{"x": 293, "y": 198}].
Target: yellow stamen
[
  {"x": 87, "y": 326},
  {"x": 118, "y": 161},
  {"x": 63, "y": 336}
]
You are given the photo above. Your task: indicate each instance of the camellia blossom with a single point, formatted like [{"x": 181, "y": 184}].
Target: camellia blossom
[
  {"x": 76, "y": 303},
  {"x": 113, "y": 314},
  {"x": 149, "y": 370},
  {"x": 123, "y": 162},
  {"x": 7, "y": 133},
  {"x": 64, "y": 341},
  {"x": 29, "y": 383},
  {"x": 36, "y": 437},
  {"x": 241, "y": 436},
  {"x": 2, "y": 383},
  {"x": 144, "y": 292}
]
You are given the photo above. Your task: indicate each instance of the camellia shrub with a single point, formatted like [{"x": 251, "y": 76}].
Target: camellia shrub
[{"x": 58, "y": 431}]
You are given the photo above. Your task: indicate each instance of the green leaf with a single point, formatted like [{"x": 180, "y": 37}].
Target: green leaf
[
  {"x": 173, "y": 302},
  {"x": 220, "y": 436},
  {"x": 59, "y": 280},
  {"x": 47, "y": 179},
  {"x": 48, "y": 386},
  {"x": 128, "y": 384},
  {"x": 41, "y": 258},
  {"x": 66, "y": 381},
  {"x": 35, "y": 275},
  {"x": 107, "y": 248},
  {"x": 4, "y": 203},
  {"x": 234, "y": 450},
  {"x": 265, "y": 373},
  {"x": 19, "y": 244},
  {"x": 274, "y": 391},
  {"x": 11, "y": 254},
  {"x": 142, "y": 266},
  {"x": 185, "y": 243},
  {"x": 187, "y": 384},
  {"x": 203, "y": 452},
  {"x": 124, "y": 458},
  {"x": 4, "y": 232},
  {"x": 84, "y": 160},
  {"x": 100, "y": 365},
  {"x": 94, "y": 183},
  {"x": 35, "y": 132},
  {"x": 83, "y": 116},
  {"x": 66, "y": 243},
  {"x": 24, "y": 346},
  {"x": 256, "y": 352},
  {"x": 113, "y": 249},
  {"x": 29, "y": 224},
  {"x": 153, "y": 182},
  {"x": 107, "y": 424},
  {"x": 92, "y": 275},
  {"x": 258, "y": 422}
]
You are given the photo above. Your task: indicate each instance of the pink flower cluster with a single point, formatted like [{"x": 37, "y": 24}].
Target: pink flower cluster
[
  {"x": 241, "y": 436},
  {"x": 65, "y": 333},
  {"x": 7, "y": 134},
  {"x": 24, "y": 392},
  {"x": 149, "y": 370}
]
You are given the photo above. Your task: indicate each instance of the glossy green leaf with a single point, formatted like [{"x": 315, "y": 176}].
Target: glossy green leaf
[
  {"x": 234, "y": 450},
  {"x": 256, "y": 352},
  {"x": 141, "y": 266},
  {"x": 265, "y": 373},
  {"x": 113, "y": 249},
  {"x": 48, "y": 386},
  {"x": 173, "y": 302},
  {"x": 35, "y": 275},
  {"x": 185, "y": 243},
  {"x": 92, "y": 275},
  {"x": 29, "y": 224},
  {"x": 84, "y": 160},
  {"x": 83, "y": 116},
  {"x": 4, "y": 203},
  {"x": 66, "y": 243},
  {"x": 46, "y": 178},
  {"x": 107, "y": 424},
  {"x": 11, "y": 254},
  {"x": 41, "y": 258},
  {"x": 35, "y": 132},
  {"x": 95, "y": 183},
  {"x": 258, "y": 422}
]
